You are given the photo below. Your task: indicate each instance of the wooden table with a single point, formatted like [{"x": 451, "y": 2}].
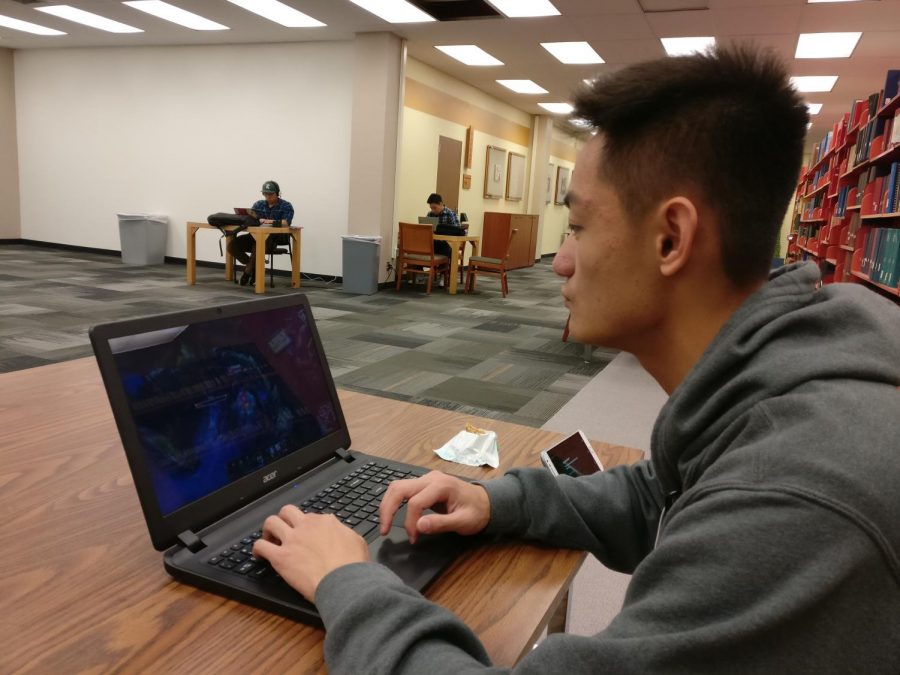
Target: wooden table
[
  {"x": 83, "y": 589},
  {"x": 458, "y": 242},
  {"x": 259, "y": 234}
]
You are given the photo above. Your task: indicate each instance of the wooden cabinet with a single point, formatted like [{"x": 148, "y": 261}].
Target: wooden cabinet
[{"x": 495, "y": 234}]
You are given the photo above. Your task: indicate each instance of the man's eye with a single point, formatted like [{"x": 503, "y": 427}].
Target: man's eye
[{"x": 574, "y": 229}]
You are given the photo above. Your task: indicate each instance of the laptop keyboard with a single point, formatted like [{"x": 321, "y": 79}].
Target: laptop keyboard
[{"x": 353, "y": 499}]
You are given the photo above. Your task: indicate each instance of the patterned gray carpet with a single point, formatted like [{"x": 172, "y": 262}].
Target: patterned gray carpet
[{"x": 479, "y": 354}]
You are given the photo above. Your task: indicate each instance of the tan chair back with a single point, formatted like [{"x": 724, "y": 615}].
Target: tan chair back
[{"x": 415, "y": 238}]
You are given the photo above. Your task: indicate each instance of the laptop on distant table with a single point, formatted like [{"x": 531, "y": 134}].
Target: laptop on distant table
[
  {"x": 241, "y": 211},
  {"x": 429, "y": 220},
  {"x": 227, "y": 414}
]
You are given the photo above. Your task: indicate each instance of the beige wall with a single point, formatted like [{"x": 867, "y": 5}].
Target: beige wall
[
  {"x": 437, "y": 105},
  {"x": 563, "y": 153},
  {"x": 10, "y": 227}
]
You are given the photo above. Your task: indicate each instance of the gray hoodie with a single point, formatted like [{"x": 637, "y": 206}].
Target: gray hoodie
[{"x": 778, "y": 458}]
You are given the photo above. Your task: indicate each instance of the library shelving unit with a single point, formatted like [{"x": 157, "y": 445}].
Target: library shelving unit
[{"x": 847, "y": 207}]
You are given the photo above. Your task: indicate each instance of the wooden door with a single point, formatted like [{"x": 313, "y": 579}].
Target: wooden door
[{"x": 448, "y": 171}]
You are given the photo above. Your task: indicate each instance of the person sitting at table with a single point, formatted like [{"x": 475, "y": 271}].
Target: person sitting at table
[
  {"x": 446, "y": 219},
  {"x": 270, "y": 210},
  {"x": 762, "y": 533}
]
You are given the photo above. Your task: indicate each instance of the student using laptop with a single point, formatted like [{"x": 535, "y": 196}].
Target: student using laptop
[
  {"x": 445, "y": 216},
  {"x": 270, "y": 210},
  {"x": 762, "y": 535}
]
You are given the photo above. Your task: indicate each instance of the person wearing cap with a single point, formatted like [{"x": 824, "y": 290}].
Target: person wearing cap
[{"x": 271, "y": 210}]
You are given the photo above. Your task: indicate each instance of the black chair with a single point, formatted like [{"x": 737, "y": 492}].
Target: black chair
[{"x": 278, "y": 250}]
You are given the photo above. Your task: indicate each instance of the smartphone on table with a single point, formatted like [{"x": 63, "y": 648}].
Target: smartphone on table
[{"x": 572, "y": 456}]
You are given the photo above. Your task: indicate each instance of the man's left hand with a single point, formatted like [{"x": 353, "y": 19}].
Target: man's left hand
[{"x": 304, "y": 547}]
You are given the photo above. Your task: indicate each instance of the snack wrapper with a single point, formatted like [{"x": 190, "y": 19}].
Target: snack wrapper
[{"x": 472, "y": 447}]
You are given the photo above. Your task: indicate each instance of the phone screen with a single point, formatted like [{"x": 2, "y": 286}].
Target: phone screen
[{"x": 571, "y": 457}]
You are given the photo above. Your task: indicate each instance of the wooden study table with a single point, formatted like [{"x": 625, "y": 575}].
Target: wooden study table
[
  {"x": 84, "y": 590},
  {"x": 259, "y": 234},
  {"x": 458, "y": 243}
]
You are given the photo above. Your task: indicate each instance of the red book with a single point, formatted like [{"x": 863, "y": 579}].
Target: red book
[{"x": 877, "y": 190}]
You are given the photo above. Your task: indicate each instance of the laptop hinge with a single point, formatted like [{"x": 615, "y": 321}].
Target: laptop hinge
[
  {"x": 190, "y": 541},
  {"x": 344, "y": 455}
]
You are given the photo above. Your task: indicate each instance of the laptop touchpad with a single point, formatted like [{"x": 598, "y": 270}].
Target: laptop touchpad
[{"x": 415, "y": 563}]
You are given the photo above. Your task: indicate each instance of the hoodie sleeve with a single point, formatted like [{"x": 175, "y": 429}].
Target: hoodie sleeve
[
  {"x": 820, "y": 599},
  {"x": 612, "y": 514}
]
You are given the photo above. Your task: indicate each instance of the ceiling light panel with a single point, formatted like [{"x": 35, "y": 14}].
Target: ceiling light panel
[
  {"x": 683, "y": 46},
  {"x": 279, "y": 13},
  {"x": 573, "y": 52},
  {"x": 167, "y": 12},
  {"x": 394, "y": 11},
  {"x": 470, "y": 55},
  {"x": 27, "y": 26},
  {"x": 70, "y": 13},
  {"x": 826, "y": 45},
  {"x": 812, "y": 83},
  {"x": 814, "y": 108},
  {"x": 522, "y": 8},
  {"x": 557, "y": 108},
  {"x": 523, "y": 86}
]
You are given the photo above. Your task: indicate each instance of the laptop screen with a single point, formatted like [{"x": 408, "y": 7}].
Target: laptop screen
[{"x": 217, "y": 400}]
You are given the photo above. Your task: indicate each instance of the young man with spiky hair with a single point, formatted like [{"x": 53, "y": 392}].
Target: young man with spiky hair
[{"x": 763, "y": 533}]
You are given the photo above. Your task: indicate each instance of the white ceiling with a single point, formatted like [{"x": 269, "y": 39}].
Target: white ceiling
[{"x": 619, "y": 30}]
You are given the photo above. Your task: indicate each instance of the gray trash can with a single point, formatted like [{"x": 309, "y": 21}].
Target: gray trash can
[
  {"x": 143, "y": 238},
  {"x": 360, "y": 268}
]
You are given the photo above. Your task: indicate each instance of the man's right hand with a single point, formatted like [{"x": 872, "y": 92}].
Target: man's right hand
[{"x": 459, "y": 506}]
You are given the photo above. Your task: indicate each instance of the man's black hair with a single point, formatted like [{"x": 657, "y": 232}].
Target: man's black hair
[
  {"x": 725, "y": 123},
  {"x": 435, "y": 198}
]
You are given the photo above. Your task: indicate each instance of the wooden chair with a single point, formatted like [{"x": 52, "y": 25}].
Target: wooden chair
[
  {"x": 416, "y": 254},
  {"x": 492, "y": 262}
]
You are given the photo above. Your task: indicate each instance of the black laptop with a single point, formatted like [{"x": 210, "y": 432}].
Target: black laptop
[{"x": 228, "y": 413}]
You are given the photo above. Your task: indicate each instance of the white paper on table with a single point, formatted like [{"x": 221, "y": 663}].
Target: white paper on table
[{"x": 471, "y": 449}]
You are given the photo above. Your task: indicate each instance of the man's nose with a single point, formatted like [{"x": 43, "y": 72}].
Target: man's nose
[{"x": 564, "y": 261}]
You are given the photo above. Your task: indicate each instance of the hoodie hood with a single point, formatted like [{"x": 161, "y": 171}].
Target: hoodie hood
[{"x": 772, "y": 344}]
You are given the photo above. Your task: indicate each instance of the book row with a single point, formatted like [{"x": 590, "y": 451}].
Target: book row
[{"x": 881, "y": 255}]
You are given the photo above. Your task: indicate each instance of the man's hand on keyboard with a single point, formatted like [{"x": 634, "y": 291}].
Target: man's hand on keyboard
[
  {"x": 304, "y": 547},
  {"x": 460, "y": 506}
]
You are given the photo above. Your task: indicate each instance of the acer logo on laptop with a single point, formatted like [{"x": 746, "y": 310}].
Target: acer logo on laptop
[{"x": 269, "y": 476}]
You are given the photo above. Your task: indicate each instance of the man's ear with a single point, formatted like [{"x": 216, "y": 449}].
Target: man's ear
[{"x": 676, "y": 234}]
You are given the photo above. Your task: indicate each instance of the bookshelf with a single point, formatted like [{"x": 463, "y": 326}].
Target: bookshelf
[{"x": 847, "y": 207}]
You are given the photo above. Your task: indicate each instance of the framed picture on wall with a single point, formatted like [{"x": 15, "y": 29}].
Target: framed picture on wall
[
  {"x": 562, "y": 184},
  {"x": 549, "y": 184},
  {"x": 515, "y": 177},
  {"x": 494, "y": 164}
]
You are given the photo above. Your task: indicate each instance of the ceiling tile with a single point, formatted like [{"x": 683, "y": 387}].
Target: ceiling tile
[
  {"x": 682, "y": 24},
  {"x": 757, "y": 20}
]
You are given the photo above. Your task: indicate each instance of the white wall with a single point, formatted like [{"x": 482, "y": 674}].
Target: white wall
[
  {"x": 9, "y": 167},
  {"x": 377, "y": 94},
  {"x": 184, "y": 131}
]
